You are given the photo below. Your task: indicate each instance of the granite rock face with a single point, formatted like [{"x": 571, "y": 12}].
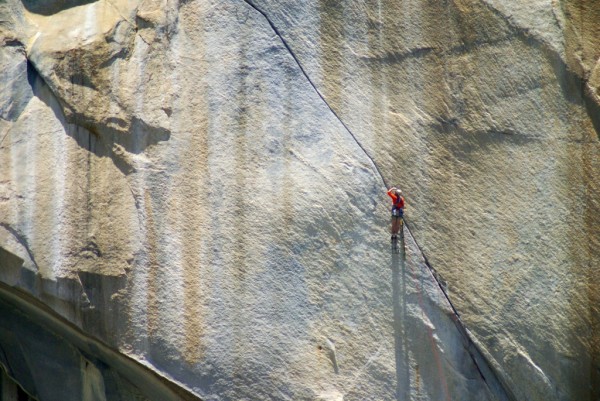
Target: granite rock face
[
  {"x": 51, "y": 360},
  {"x": 200, "y": 186}
]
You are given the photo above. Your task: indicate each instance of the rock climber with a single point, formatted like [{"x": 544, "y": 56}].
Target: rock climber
[{"x": 397, "y": 209}]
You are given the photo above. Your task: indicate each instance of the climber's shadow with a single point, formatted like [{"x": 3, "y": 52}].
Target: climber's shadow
[{"x": 401, "y": 341}]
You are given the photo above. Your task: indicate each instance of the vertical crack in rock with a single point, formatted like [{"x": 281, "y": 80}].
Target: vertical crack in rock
[{"x": 456, "y": 317}]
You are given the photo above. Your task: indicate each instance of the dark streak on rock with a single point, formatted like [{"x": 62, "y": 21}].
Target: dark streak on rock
[
  {"x": 49, "y": 7},
  {"x": 470, "y": 346},
  {"x": 121, "y": 54},
  {"x": 293, "y": 55},
  {"x": 12, "y": 42},
  {"x": 574, "y": 86},
  {"x": 102, "y": 141},
  {"x": 39, "y": 325},
  {"x": 21, "y": 240},
  {"x": 393, "y": 58}
]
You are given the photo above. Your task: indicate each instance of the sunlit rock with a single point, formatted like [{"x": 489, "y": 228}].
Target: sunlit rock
[{"x": 199, "y": 186}]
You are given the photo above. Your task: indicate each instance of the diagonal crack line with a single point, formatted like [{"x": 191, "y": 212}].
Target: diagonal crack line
[
  {"x": 274, "y": 28},
  {"x": 290, "y": 51},
  {"x": 6, "y": 132},
  {"x": 9, "y": 370},
  {"x": 21, "y": 240},
  {"x": 284, "y": 42},
  {"x": 470, "y": 344},
  {"x": 433, "y": 272},
  {"x": 459, "y": 324}
]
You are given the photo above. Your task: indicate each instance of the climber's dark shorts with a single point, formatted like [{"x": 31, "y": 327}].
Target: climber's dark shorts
[{"x": 397, "y": 212}]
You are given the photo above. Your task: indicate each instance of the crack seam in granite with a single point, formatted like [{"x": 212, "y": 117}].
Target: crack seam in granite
[
  {"x": 120, "y": 14},
  {"x": 456, "y": 316},
  {"x": 6, "y": 132},
  {"x": 293, "y": 55},
  {"x": 251, "y": 4}
]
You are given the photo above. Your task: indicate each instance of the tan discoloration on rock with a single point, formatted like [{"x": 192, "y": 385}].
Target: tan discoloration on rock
[
  {"x": 76, "y": 62},
  {"x": 193, "y": 188},
  {"x": 154, "y": 270},
  {"x": 482, "y": 119},
  {"x": 581, "y": 34},
  {"x": 591, "y": 166},
  {"x": 197, "y": 166}
]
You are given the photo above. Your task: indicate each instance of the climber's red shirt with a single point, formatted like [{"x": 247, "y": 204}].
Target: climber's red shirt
[{"x": 398, "y": 201}]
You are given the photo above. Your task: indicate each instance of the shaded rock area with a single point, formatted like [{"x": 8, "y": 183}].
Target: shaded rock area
[
  {"x": 435, "y": 356},
  {"x": 11, "y": 391},
  {"x": 197, "y": 188},
  {"x": 52, "y": 360}
]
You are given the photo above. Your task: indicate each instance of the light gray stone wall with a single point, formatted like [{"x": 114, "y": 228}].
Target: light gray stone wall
[{"x": 201, "y": 186}]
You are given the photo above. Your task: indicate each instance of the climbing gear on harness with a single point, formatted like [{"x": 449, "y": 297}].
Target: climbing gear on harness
[{"x": 397, "y": 217}]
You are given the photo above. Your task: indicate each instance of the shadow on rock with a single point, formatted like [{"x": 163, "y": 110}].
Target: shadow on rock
[
  {"x": 400, "y": 335},
  {"x": 102, "y": 141},
  {"x": 90, "y": 298},
  {"x": 49, "y": 7}
]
